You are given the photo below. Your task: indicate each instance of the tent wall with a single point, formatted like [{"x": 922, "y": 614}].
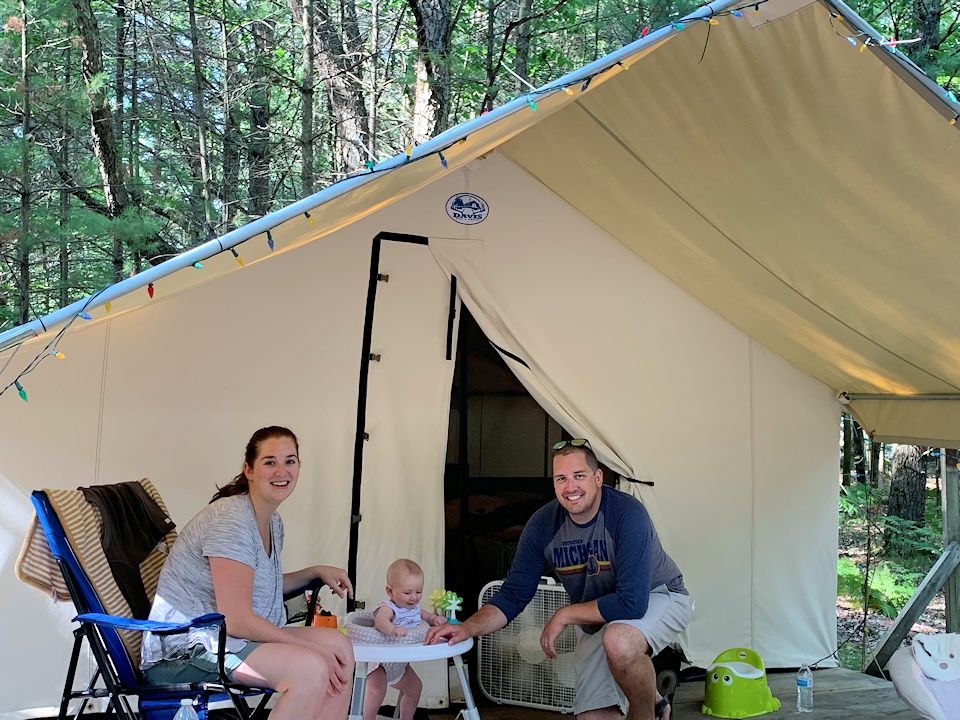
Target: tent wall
[
  {"x": 186, "y": 381},
  {"x": 741, "y": 446}
]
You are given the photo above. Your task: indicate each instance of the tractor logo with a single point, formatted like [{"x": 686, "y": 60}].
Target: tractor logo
[{"x": 467, "y": 208}]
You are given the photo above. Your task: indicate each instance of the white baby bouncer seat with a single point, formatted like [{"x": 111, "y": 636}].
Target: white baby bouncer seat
[{"x": 926, "y": 675}]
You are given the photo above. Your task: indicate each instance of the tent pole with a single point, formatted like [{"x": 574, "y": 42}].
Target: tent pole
[{"x": 361, "y": 434}]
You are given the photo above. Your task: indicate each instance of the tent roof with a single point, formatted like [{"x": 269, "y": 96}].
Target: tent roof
[{"x": 802, "y": 188}]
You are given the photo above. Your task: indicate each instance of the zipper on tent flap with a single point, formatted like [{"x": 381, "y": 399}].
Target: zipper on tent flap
[{"x": 509, "y": 354}]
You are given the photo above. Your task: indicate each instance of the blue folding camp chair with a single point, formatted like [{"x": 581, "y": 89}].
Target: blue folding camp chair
[{"x": 114, "y": 640}]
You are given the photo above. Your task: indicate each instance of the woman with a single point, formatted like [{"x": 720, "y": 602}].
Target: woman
[{"x": 227, "y": 560}]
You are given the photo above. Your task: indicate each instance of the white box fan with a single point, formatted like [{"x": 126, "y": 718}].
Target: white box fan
[{"x": 514, "y": 669}]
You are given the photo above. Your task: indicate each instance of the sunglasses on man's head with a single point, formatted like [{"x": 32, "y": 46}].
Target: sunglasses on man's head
[{"x": 576, "y": 442}]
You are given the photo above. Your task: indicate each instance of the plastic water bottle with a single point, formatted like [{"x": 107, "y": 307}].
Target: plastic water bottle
[
  {"x": 804, "y": 690},
  {"x": 186, "y": 711}
]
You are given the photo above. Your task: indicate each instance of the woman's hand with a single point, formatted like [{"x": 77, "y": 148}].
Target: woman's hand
[
  {"x": 336, "y": 579},
  {"x": 341, "y": 668}
]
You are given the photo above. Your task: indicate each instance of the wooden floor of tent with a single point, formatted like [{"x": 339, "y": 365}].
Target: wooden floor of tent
[{"x": 838, "y": 695}]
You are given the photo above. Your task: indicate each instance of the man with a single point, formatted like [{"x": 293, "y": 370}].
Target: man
[{"x": 627, "y": 594}]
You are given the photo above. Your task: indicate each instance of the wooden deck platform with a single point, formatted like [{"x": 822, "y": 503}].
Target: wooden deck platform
[{"x": 838, "y": 695}]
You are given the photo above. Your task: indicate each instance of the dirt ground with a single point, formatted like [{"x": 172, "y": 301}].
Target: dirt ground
[{"x": 849, "y": 619}]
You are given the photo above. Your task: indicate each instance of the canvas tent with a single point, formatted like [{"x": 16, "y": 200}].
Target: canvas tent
[{"x": 684, "y": 259}]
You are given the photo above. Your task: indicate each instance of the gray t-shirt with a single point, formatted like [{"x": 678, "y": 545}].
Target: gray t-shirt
[{"x": 226, "y": 528}]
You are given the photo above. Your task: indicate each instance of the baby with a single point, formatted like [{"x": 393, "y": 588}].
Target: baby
[{"x": 396, "y": 616}]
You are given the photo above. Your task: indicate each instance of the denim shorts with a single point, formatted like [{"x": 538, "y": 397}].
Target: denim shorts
[{"x": 199, "y": 666}]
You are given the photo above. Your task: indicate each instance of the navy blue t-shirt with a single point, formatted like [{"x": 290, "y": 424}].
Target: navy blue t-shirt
[{"x": 615, "y": 559}]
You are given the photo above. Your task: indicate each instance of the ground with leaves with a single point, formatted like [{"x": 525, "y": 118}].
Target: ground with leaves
[{"x": 850, "y": 621}]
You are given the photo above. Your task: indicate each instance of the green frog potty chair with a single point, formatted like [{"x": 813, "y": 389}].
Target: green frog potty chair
[{"x": 736, "y": 686}]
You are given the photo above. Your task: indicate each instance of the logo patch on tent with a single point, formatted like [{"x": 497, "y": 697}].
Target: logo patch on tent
[{"x": 467, "y": 208}]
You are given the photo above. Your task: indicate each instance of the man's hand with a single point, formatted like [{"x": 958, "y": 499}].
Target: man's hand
[
  {"x": 551, "y": 631},
  {"x": 452, "y": 633},
  {"x": 336, "y": 579}
]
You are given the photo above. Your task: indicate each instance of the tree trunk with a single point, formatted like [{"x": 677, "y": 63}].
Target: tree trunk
[
  {"x": 200, "y": 119},
  {"x": 431, "y": 106},
  {"x": 846, "y": 457},
  {"x": 926, "y": 21},
  {"x": 120, "y": 50},
  {"x": 64, "y": 159},
  {"x": 101, "y": 126},
  {"x": 339, "y": 63},
  {"x": 907, "y": 493},
  {"x": 104, "y": 141},
  {"x": 524, "y": 39},
  {"x": 258, "y": 148},
  {"x": 859, "y": 454},
  {"x": 26, "y": 195},
  {"x": 133, "y": 129},
  {"x": 375, "y": 89},
  {"x": 907, "y": 485},
  {"x": 306, "y": 99},
  {"x": 231, "y": 126}
]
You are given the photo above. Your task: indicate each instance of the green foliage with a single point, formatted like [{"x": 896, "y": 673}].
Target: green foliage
[
  {"x": 250, "y": 55},
  {"x": 891, "y": 585},
  {"x": 896, "y": 552}
]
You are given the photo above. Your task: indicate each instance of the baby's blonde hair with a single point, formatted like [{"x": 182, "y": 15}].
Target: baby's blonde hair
[{"x": 403, "y": 566}]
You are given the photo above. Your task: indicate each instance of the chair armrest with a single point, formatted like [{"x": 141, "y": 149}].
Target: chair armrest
[
  {"x": 314, "y": 587},
  {"x": 159, "y": 628},
  {"x": 162, "y": 628}
]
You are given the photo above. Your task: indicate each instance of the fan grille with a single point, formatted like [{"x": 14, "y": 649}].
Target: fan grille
[{"x": 505, "y": 677}]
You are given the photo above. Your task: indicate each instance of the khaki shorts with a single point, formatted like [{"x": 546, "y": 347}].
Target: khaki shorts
[
  {"x": 667, "y": 615},
  {"x": 199, "y": 666}
]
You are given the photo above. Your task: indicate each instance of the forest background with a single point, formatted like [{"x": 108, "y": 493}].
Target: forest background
[{"x": 133, "y": 130}]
